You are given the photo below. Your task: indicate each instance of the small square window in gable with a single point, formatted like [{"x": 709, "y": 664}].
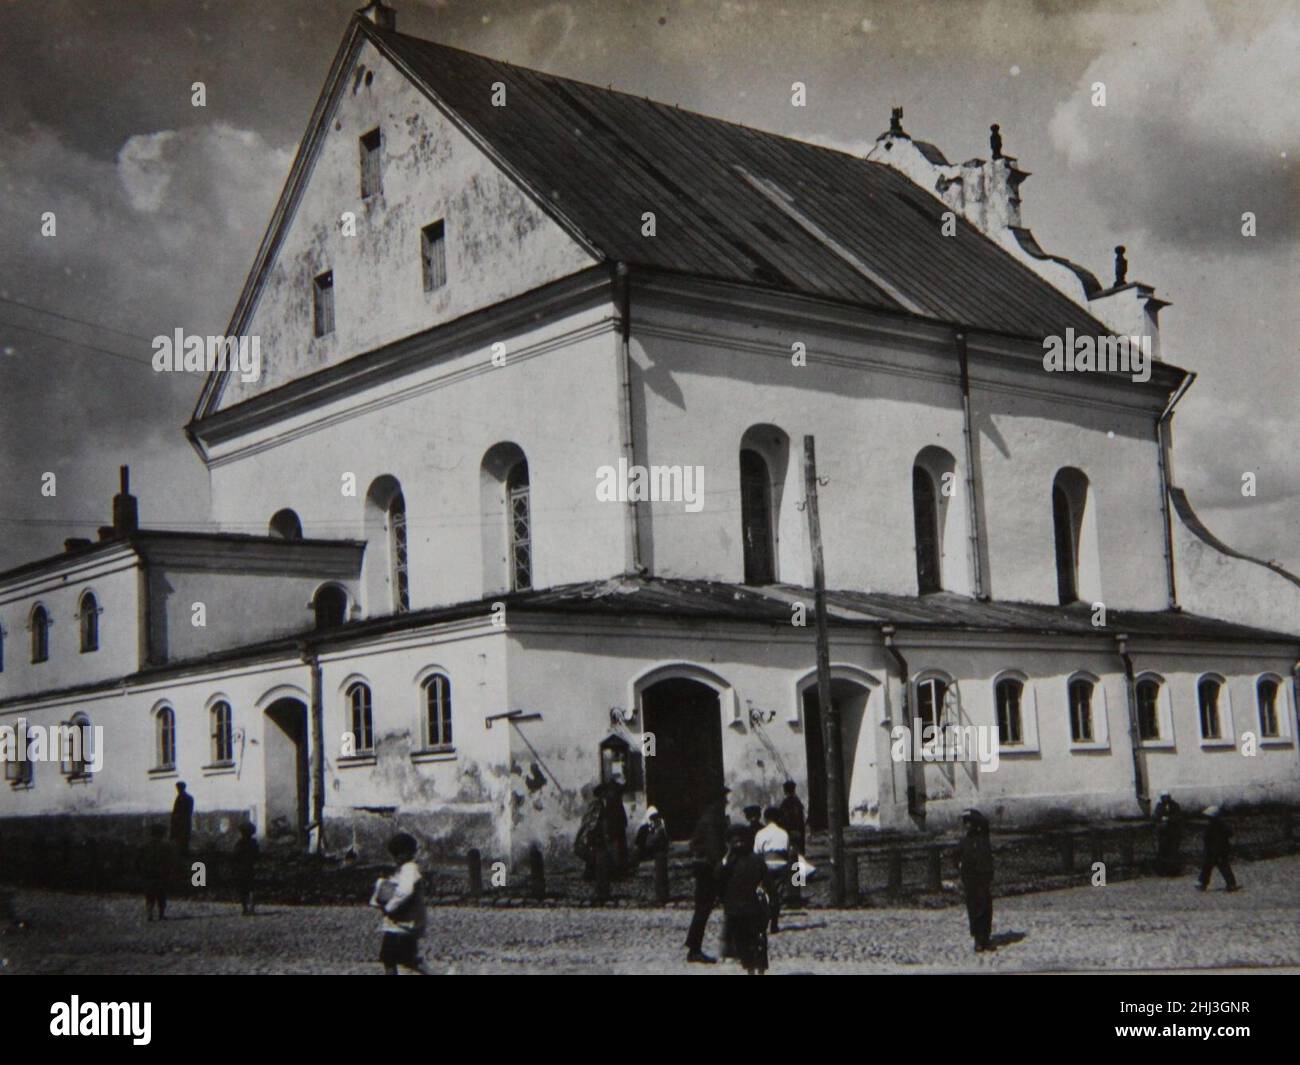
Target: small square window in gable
[
  {"x": 323, "y": 303},
  {"x": 371, "y": 174},
  {"x": 433, "y": 255}
]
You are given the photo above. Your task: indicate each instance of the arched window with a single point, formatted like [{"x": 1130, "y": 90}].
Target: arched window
[
  {"x": 165, "y": 734},
  {"x": 925, "y": 519},
  {"x": 360, "y": 719},
  {"x": 1008, "y": 693},
  {"x": 387, "y": 575},
  {"x": 1081, "y": 727},
  {"x": 931, "y": 700},
  {"x": 1148, "y": 708},
  {"x": 286, "y": 525},
  {"x": 330, "y": 605},
  {"x": 1069, "y": 501},
  {"x": 519, "y": 514},
  {"x": 756, "y": 518},
  {"x": 1208, "y": 691},
  {"x": 40, "y": 634},
  {"x": 21, "y": 772},
  {"x": 223, "y": 733},
  {"x": 89, "y": 618},
  {"x": 1266, "y": 694},
  {"x": 77, "y": 752},
  {"x": 437, "y": 711}
]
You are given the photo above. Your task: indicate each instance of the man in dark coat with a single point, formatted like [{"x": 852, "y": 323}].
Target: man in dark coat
[
  {"x": 1218, "y": 850},
  {"x": 1168, "y": 816},
  {"x": 155, "y": 865},
  {"x": 975, "y": 860},
  {"x": 182, "y": 819},
  {"x": 708, "y": 845},
  {"x": 592, "y": 843},
  {"x": 793, "y": 818},
  {"x": 616, "y": 825},
  {"x": 742, "y": 882}
]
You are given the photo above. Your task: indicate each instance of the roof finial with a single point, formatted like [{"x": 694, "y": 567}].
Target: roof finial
[
  {"x": 896, "y": 123},
  {"x": 995, "y": 141},
  {"x": 1121, "y": 266},
  {"x": 383, "y": 17}
]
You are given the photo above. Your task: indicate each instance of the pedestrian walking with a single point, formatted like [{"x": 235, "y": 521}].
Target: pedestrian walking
[
  {"x": 975, "y": 861},
  {"x": 794, "y": 820},
  {"x": 772, "y": 845},
  {"x": 401, "y": 899},
  {"x": 591, "y": 844},
  {"x": 742, "y": 886},
  {"x": 1218, "y": 850},
  {"x": 244, "y": 863},
  {"x": 155, "y": 866},
  {"x": 1168, "y": 816},
  {"x": 182, "y": 825},
  {"x": 707, "y": 848}
]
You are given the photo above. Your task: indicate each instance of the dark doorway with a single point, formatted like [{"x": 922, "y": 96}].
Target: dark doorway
[
  {"x": 685, "y": 772},
  {"x": 850, "y": 701},
  {"x": 285, "y": 751}
]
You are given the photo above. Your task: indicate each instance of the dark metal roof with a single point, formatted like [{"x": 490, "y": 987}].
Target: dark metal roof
[{"x": 733, "y": 203}]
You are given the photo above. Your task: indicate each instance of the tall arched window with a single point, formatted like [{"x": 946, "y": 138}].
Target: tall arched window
[
  {"x": 360, "y": 719},
  {"x": 1148, "y": 708},
  {"x": 89, "y": 617},
  {"x": 330, "y": 605},
  {"x": 286, "y": 525},
  {"x": 165, "y": 735},
  {"x": 223, "y": 733},
  {"x": 756, "y": 518},
  {"x": 931, "y": 700},
  {"x": 437, "y": 711},
  {"x": 519, "y": 514},
  {"x": 78, "y": 752},
  {"x": 1266, "y": 694},
  {"x": 925, "y": 519},
  {"x": 1010, "y": 728},
  {"x": 1208, "y": 691},
  {"x": 1069, "y": 501},
  {"x": 40, "y": 634},
  {"x": 387, "y": 574},
  {"x": 1081, "y": 692}
]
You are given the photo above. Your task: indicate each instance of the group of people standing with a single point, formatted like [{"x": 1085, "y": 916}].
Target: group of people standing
[{"x": 1216, "y": 842}]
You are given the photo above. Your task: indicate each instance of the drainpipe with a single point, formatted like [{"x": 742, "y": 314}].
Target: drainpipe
[
  {"x": 632, "y": 541},
  {"x": 972, "y": 500},
  {"x": 1135, "y": 741},
  {"x": 1295, "y": 693},
  {"x": 1164, "y": 449},
  {"x": 316, "y": 829},
  {"x": 887, "y": 634}
]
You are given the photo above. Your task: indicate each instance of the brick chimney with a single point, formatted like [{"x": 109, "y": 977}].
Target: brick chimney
[{"x": 381, "y": 15}]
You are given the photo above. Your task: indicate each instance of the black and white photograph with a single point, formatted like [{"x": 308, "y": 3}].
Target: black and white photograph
[{"x": 651, "y": 487}]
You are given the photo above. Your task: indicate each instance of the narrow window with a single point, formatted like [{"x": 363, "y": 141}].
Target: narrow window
[
  {"x": 165, "y": 730},
  {"x": 1148, "y": 707},
  {"x": 1266, "y": 692},
  {"x": 371, "y": 180},
  {"x": 20, "y": 773},
  {"x": 89, "y": 618},
  {"x": 437, "y": 711},
  {"x": 930, "y": 697},
  {"x": 2, "y": 649},
  {"x": 223, "y": 734},
  {"x": 330, "y": 606},
  {"x": 1207, "y": 694},
  {"x": 521, "y": 527},
  {"x": 433, "y": 255},
  {"x": 360, "y": 720},
  {"x": 1066, "y": 554},
  {"x": 925, "y": 517},
  {"x": 1081, "y": 710},
  {"x": 756, "y": 518},
  {"x": 323, "y": 304},
  {"x": 1009, "y": 692},
  {"x": 76, "y": 751},
  {"x": 397, "y": 551},
  {"x": 40, "y": 634}
]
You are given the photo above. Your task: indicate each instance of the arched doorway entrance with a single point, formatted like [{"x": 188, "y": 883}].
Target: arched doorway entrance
[
  {"x": 684, "y": 774},
  {"x": 284, "y": 747},
  {"x": 857, "y": 777}
]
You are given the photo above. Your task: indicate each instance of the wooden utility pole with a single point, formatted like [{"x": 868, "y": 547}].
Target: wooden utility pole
[{"x": 830, "y": 719}]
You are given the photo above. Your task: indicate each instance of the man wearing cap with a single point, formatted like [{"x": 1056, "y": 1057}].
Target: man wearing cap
[
  {"x": 1169, "y": 835},
  {"x": 1218, "y": 850},
  {"x": 708, "y": 846},
  {"x": 975, "y": 860}
]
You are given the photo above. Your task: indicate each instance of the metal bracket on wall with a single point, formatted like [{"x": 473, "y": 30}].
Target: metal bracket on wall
[{"x": 513, "y": 716}]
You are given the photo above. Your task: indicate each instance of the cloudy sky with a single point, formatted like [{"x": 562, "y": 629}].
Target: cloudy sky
[{"x": 159, "y": 205}]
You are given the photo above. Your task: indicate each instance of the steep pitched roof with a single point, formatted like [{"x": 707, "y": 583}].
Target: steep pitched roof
[{"x": 733, "y": 203}]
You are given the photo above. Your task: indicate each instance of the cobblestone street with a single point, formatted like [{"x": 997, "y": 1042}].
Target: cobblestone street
[{"x": 1135, "y": 925}]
